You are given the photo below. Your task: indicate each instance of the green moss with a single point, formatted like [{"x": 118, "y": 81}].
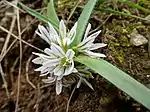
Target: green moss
[
  {"x": 117, "y": 51},
  {"x": 105, "y": 100},
  {"x": 122, "y": 42},
  {"x": 145, "y": 3}
]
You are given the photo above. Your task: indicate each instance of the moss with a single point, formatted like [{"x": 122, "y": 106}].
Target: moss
[
  {"x": 145, "y": 3},
  {"x": 121, "y": 42},
  {"x": 117, "y": 51},
  {"x": 104, "y": 101}
]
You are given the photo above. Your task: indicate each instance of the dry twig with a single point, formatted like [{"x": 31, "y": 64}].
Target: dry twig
[
  {"x": 1, "y": 58},
  {"x": 70, "y": 98},
  {"x": 2, "y": 28},
  {"x": 20, "y": 64},
  {"x": 101, "y": 24},
  {"x": 38, "y": 98},
  {"x": 3, "y": 52},
  {"x": 14, "y": 5},
  {"x": 4, "y": 81},
  {"x": 8, "y": 35},
  {"x": 27, "y": 70}
]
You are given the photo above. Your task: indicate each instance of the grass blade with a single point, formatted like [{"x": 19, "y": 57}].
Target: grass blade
[
  {"x": 132, "y": 4},
  {"x": 83, "y": 20},
  {"x": 119, "y": 13},
  {"x": 38, "y": 15},
  {"x": 51, "y": 13},
  {"x": 73, "y": 10},
  {"x": 120, "y": 79}
]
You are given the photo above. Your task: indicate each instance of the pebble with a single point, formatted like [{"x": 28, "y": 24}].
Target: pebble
[
  {"x": 137, "y": 39},
  {"x": 2, "y": 39}
]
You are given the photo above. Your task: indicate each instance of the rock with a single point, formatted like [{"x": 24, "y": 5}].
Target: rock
[{"x": 137, "y": 39}]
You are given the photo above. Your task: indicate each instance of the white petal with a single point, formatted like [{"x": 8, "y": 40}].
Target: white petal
[
  {"x": 70, "y": 54},
  {"x": 72, "y": 33},
  {"x": 96, "y": 55},
  {"x": 58, "y": 87},
  {"x": 37, "y": 60},
  {"x": 52, "y": 62},
  {"x": 43, "y": 37},
  {"x": 44, "y": 70},
  {"x": 51, "y": 69},
  {"x": 87, "y": 31},
  {"x": 97, "y": 45},
  {"x": 58, "y": 71},
  {"x": 44, "y": 33},
  {"x": 49, "y": 52},
  {"x": 49, "y": 80},
  {"x": 57, "y": 50},
  {"x": 91, "y": 38},
  {"x": 69, "y": 69},
  {"x": 87, "y": 42},
  {"x": 54, "y": 34},
  {"x": 52, "y": 31},
  {"x": 41, "y": 55},
  {"x": 86, "y": 46},
  {"x": 44, "y": 74},
  {"x": 66, "y": 41},
  {"x": 62, "y": 29},
  {"x": 39, "y": 69},
  {"x": 47, "y": 70},
  {"x": 94, "y": 35}
]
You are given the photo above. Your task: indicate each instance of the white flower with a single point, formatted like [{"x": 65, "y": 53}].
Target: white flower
[
  {"x": 55, "y": 62},
  {"x": 87, "y": 44},
  {"x": 50, "y": 35}
]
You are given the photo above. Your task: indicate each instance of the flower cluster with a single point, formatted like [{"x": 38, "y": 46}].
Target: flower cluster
[{"x": 57, "y": 61}]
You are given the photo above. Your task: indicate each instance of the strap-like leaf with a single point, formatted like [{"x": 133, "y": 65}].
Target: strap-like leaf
[
  {"x": 120, "y": 79},
  {"x": 51, "y": 13},
  {"x": 38, "y": 15},
  {"x": 83, "y": 20}
]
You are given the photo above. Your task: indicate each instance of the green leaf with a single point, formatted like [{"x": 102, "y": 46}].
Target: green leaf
[
  {"x": 39, "y": 16},
  {"x": 119, "y": 78},
  {"x": 51, "y": 13},
  {"x": 83, "y": 20}
]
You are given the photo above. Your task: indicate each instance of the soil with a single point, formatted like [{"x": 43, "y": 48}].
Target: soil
[{"x": 105, "y": 97}]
